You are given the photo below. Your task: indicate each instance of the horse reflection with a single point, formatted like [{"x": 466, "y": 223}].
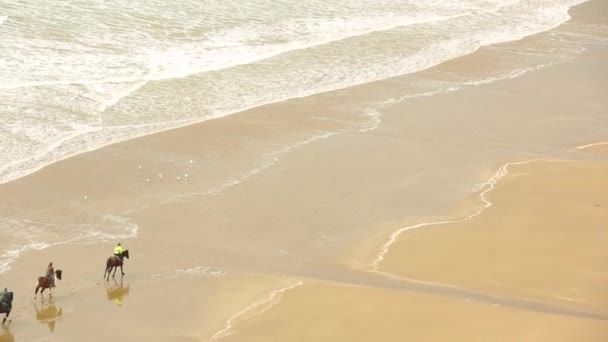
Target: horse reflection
[
  {"x": 117, "y": 292},
  {"x": 5, "y": 335},
  {"x": 48, "y": 313}
]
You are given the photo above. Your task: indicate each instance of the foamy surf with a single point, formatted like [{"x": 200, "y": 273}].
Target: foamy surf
[
  {"x": 99, "y": 84},
  {"x": 27, "y": 235},
  {"x": 204, "y": 271}
]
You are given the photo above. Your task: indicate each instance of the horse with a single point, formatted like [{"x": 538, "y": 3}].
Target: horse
[
  {"x": 45, "y": 282},
  {"x": 113, "y": 262},
  {"x": 6, "y": 304}
]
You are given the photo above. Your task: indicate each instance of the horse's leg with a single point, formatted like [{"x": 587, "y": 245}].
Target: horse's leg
[
  {"x": 108, "y": 268},
  {"x": 36, "y": 292},
  {"x": 115, "y": 268},
  {"x": 123, "y": 273},
  {"x": 5, "y": 317}
]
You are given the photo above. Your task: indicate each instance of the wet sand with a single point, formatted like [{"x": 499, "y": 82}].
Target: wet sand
[
  {"x": 543, "y": 239},
  {"x": 329, "y": 312},
  {"x": 302, "y": 191}
]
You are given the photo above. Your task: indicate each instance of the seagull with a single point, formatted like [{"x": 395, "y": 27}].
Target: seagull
[
  {"x": 139, "y": 167},
  {"x": 160, "y": 175},
  {"x": 186, "y": 176},
  {"x": 86, "y": 197},
  {"x": 148, "y": 180},
  {"x": 178, "y": 178},
  {"x": 191, "y": 161}
]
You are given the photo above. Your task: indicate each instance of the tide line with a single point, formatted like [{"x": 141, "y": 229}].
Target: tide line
[
  {"x": 582, "y": 147},
  {"x": 484, "y": 189},
  {"x": 256, "y": 308}
]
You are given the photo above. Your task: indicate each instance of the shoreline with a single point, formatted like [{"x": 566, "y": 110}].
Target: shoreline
[
  {"x": 297, "y": 219},
  {"x": 485, "y": 187},
  {"x": 551, "y": 164},
  {"x": 591, "y": 145},
  {"x": 280, "y": 321},
  {"x": 273, "y": 298},
  {"x": 190, "y": 122}
]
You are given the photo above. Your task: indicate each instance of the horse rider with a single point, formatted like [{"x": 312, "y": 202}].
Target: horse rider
[
  {"x": 50, "y": 273},
  {"x": 3, "y": 294},
  {"x": 6, "y": 298},
  {"x": 118, "y": 251}
]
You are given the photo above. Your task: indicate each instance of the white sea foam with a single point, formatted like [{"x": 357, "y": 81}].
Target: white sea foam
[
  {"x": 204, "y": 271},
  {"x": 231, "y": 47},
  {"x": 9, "y": 256},
  {"x": 102, "y": 74},
  {"x": 26, "y": 235},
  {"x": 226, "y": 48},
  {"x": 375, "y": 117}
]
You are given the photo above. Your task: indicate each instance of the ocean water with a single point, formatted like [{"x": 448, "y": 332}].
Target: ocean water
[
  {"x": 22, "y": 235},
  {"x": 78, "y": 75}
]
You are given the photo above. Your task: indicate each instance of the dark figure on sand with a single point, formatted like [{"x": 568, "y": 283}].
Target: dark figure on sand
[
  {"x": 114, "y": 262},
  {"x": 6, "y": 303}
]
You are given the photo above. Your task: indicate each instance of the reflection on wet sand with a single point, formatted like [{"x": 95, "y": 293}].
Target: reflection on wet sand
[
  {"x": 5, "y": 334},
  {"x": 48, "y": 313},
  {"x": 117, "y": 292}
]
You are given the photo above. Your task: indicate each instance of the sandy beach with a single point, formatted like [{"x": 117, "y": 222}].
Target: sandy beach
[
  {"x": 289, "y": 221},
  {"x": 328, "y": 312},
  {"x": 520, "y": 246}
]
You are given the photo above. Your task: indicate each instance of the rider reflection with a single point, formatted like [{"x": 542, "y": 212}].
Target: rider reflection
[
  {"x": 48, "y": 313},
  {"x": 117, "y": 292}
]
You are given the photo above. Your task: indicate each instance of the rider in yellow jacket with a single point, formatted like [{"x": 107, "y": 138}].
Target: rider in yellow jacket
[{"x": 118, "y": 250}]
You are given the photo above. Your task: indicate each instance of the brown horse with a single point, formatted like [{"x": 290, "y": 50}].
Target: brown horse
[
  {"x": 6, "y": 304},
  {"x": 113, "y": 262},
  {"x": 45, "y": 282}
]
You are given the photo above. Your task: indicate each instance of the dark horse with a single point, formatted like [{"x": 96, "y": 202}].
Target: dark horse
[
  {"x": 6, "y": 304},
  {"x": 45, "y": 282},
  {"x": 113, "y": 262}
]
